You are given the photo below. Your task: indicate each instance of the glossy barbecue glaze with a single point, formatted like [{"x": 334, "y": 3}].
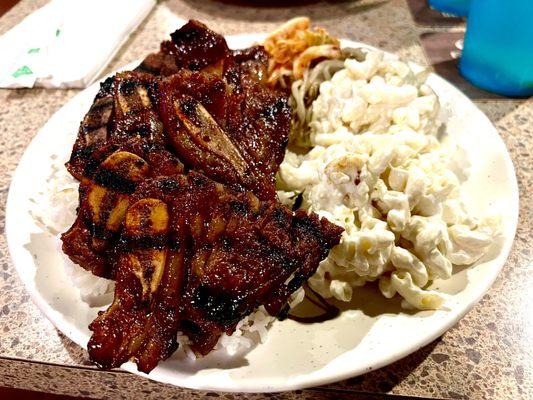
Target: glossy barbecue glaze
[
  {"x": 232, "y": 251},
  {"x": 177, "y": 163}
]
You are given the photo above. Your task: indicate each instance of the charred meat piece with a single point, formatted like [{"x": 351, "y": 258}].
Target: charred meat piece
[
  {"x": 237, "y": 253},
  {"x": 194, "y": 47},
  {"x": 162, "y": 161},
  {"x": 104, "y": 197},
  {"x": 94, "y": 128},
  {"x": 122, "y": 110},
  {"x": 142, "y": 321},
  {"x": 77, "y": 246},
  {"x": 102, "y": 206},
  {"x": 245, "y": 253},
  {"x": 234, "y": 137},
  {"x": 135, "y": 114},
  {"x": 251, "y": 62}
]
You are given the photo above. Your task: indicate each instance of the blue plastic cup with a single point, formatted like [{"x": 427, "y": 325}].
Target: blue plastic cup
[
  {"x": 498, "y": 47},
  {"x": 454, "y": 7}
]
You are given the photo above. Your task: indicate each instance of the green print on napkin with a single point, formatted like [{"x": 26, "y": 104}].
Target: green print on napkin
[
  {"x": 34, "y": 50},
  {"x": 24, "y": 70}
]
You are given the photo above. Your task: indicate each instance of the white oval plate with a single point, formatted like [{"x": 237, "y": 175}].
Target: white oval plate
[{"x": 376, "y": 332}]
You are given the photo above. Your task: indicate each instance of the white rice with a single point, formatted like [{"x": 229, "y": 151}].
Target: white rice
[{"x": 54, "y": 210}]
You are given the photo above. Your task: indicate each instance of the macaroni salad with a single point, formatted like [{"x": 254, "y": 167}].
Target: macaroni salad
[{"x": 377, "y": 169}]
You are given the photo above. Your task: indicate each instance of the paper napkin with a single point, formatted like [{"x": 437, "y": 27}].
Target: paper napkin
[{"x": 67, "y": 43}]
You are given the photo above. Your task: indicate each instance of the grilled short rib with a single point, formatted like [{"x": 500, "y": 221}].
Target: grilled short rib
[
  {"x": 221, "y": 93},
  {"x": 220, "y": 119},
  {"x": 193, "y": 47},
  {"x": 235, "y": 135},
  {"x": 197, "y": 256},
  {"x": 104, "y": 196},
  {"x": 122, "y": 110},
  {"x": 177, "y": 163}
]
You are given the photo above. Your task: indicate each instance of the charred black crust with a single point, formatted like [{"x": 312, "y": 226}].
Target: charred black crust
[
  {"x": 100, "y": 232},
  {"x": 101, "y": 103},
  {"x": 112, "y": 180},
  {"x": 278, "y": 256},
  {"x": 273, "y": 110},
  {"x": 218, "y": 306},
  {"x": 85, "y": 154},
  {"x": 128, "y": 87},
  {"x": 283, "y": 313},
  {"x": 296, "y": 282},
  {"x": 169, "y": 184},
  {"x": 188, "y": 107},
  {"x": 106, "y": 87},
  {"x": 239, "y": 207},
  {"x": 156, "y": 242},
  {"x": 190, "y": 327},
  {"x": 174, "y": 243},
  {"x": 313, "y": 226},
  {"x": 281, "y": 217}
]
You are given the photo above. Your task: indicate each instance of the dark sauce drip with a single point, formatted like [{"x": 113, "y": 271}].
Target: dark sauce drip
[
  {"x": 298, "y": 202},
  {"x": 330, "y": 311}
]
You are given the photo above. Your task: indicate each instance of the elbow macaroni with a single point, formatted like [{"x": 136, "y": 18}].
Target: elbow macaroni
[{"x": 377, "y": 170}]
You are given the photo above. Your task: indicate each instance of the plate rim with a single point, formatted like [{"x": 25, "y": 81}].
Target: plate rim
[{"x": 11, "y": 232}]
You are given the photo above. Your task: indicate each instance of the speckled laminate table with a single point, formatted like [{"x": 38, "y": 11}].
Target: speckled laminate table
[{"x": 487, "y": 355}]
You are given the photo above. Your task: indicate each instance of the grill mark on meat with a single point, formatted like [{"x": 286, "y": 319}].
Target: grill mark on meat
[
  {"x": 143, "y": 318},
  {"x": 128, "y": 88},
  {"x": 114, "y": 181},
  {"x": 239, "y": 207},
  {"x": 218, "y": 306},
  {"x": 143, "y": 242}
]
